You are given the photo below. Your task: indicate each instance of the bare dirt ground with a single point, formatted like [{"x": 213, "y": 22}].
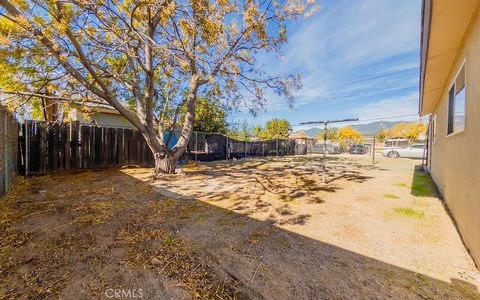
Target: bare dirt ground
[{"x": 255, "y": 228}]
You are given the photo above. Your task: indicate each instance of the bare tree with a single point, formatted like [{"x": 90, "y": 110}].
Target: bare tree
[{"x": 147, "y": 59}]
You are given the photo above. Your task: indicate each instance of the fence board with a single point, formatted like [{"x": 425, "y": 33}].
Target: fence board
[
  {"x": 74, "y": 157},
  {"x": 43, "y": 154}
]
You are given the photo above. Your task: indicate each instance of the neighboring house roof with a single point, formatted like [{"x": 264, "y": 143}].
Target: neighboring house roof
[
  {"x": 300, "y": 135},
  {"x": 444, "y": 24},
  {"x": 99, "y": 107},
  {"x": 102, "y": 114}
]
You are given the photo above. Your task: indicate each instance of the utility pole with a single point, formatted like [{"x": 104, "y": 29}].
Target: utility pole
[{"x": 325, "y": 123}]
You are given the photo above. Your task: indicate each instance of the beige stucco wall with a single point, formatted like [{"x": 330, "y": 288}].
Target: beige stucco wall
[{"x": 455, "y": 161}]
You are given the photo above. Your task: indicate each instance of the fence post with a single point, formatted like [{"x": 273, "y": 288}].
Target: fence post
[
  {"x": 245, "y": 148},
  {"x": 196, "y": 145},
  {"x": 373, "y": 150},
  {"x": 276, "y": 152},
  {"x": 123, "y": 146},
  {"x": 226, "y": 149},
  {"x": 5, "y": 142},
  {"x": 26, "y": 148}
]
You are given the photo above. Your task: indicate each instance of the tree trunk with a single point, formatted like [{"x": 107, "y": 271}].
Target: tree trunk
[
  {"x": 165, "y": 159},
  {"x": 165, "y": 165}
]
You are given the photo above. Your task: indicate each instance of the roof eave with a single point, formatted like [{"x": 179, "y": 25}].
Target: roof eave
[{"x": 424, "y": 38}]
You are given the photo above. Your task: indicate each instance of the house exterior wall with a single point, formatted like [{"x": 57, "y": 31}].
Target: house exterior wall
[
  {"x": 8, "y": 149},
  {"x": 455, "y": 159},
  {"x": 110, "y": 120},
  {"x": 105, "y": 119}
]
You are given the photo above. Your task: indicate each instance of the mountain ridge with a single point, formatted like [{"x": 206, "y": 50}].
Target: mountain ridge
[{"x": 365, "y": 129}]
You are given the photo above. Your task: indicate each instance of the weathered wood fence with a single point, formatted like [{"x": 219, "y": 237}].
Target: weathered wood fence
[
  {"x": 8, "y": 149},
  {"x": 57, "y": 147},
  {"x": 49, "y": 147}
]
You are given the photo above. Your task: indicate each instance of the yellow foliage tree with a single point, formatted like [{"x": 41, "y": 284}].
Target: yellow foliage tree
[
  {"x": 411, "y": 130},
  {"x": 147, "y": 59},
  {"x": 347, "y": 135}
]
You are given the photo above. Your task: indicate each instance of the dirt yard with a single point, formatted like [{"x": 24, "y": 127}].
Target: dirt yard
[{"x": 247, "y": 229}]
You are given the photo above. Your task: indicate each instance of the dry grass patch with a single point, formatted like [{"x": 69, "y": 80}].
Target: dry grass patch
[
  {"x": 229, "y": 219},
  {"x": 56, "y": 228},
  {"x": 160, "y": 249},
  {"x": 96, "y": 212}
]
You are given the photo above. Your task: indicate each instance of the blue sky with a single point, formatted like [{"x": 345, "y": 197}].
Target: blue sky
[{"x": 357, "y": 59}]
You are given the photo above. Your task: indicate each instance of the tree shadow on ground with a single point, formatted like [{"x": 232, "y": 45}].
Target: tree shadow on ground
[
  {"x": 265, "y": 185},
  {"x": 282, "y": 214},
  {"x": 271, "y": 176},
  {"x": 85, "y": 234},
  {"x": 275, "y": 263}
]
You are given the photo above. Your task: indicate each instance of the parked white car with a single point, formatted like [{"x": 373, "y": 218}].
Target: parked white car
[{"x": 412, "y": 151}]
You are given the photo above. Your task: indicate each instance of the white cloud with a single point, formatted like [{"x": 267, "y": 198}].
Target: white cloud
[
  {"x": 357, "y": 58},
  {"x": 354, "y": 33},
  {"x": 396, "y": 106},
  {"x": 401, "y": 108},
  {"x": 349, "y": 40}
]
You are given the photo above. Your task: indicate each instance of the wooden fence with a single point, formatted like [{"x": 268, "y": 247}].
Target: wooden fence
[
  {"x": 57, "y": 147},
  {"x": 8, "y": 149},
  {"x": 49, "y": 147}
]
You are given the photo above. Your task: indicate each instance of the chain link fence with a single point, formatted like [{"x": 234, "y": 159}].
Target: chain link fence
[{"x": 210, "y": 147}]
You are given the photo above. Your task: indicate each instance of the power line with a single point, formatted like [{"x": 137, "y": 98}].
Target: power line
[
  {"x": 390, "y": 117},
  {"x": 378, "y": 75},
  {"x": 350, "y": 120},
  {"x": 329, "y": 121},
  {"x": 341, "y": 98}
]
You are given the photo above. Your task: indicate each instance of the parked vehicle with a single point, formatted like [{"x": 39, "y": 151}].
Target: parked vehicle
[
  {"x": 331, "y": 149},
  {"x": 412, "y": 151},
  {"x": 396, "y": 142},
  {"x": 357, "y": 149}
]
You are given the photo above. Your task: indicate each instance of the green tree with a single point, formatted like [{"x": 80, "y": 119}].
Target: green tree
[
  {"x": 257, "y": 132},
  {"x": 242, "y": 133},
  {"x": 277, "y": 129},
  {"x": 147, "y": 59},
  {"x": 210, "y": 116}
]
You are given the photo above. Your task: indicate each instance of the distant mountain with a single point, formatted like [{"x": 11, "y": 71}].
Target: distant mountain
[
  {"x": 372, "y": 128},
  {"x": 366, "y": 129}
]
